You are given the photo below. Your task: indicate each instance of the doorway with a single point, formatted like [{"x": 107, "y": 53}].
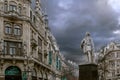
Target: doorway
[{"x": 13, "y": 73}]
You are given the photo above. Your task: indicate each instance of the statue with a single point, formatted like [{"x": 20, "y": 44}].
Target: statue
[{"x": 87, "y": 46}]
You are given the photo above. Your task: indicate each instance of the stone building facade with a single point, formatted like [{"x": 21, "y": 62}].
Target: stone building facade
[
  {"x": 28, "y": 51},
  {"x": 109, "y": 62}
]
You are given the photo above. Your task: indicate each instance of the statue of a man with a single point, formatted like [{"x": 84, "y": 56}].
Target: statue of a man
[{"x": 87, "y": 46}]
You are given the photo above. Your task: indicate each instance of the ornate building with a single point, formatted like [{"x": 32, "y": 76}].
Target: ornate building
[
  {"x": 109, "y": 62},
  {"x": 28, "y": 51}
]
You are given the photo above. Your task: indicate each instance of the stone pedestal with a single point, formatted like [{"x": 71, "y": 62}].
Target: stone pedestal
[
  {"x": 2, "y": 78},
  {"x": 88, "y": 72}
]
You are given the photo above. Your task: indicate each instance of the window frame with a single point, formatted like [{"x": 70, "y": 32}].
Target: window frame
[
  {"x": 13, "y": 28},
  {"x": 14, "y": 48},
  {"x": 12, "y": 8},
  {"x": 6, "y": 6},
  {"x": 8, "y": 28},
  {"x": 17, "y": 30}
]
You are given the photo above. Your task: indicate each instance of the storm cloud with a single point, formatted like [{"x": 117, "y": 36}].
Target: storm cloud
[{"x": 69, "y": 20}]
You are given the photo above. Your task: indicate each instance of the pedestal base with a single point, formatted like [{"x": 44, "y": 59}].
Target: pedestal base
[
  {"x": 2, "y": 78},
  {"x": 88, "y": 72}
]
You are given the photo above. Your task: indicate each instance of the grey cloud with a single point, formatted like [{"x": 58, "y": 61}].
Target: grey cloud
[{"x": 69, "y": 24}]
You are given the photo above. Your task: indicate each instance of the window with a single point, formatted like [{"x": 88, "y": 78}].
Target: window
[
  {"x": 118, "y": 54},
  {"x": 31, "y": 15},
  {"x": 17, "y": 30},
  {"x": 13, "y": 8},
  {"x": 50, "y": 57},
  {"x": 40, "y": 56},
  {"x": 12, "y": 48},
  {"x": 57, "y": 62},
  {"x": 19, "y": 9},
  {"x": 59, "y": 65},
  {"x": 6, "y": 6},
  {"x": 13, "y": 29},
  {"x": 8, "y": 28},
  {"x": 34, "y": 19},
  {"x": 39, "y": 43}
]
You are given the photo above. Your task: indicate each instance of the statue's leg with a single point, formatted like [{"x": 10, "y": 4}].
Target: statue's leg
[
  {"x": 92, "y": 57},
  {"x": 89, "y": 56}
]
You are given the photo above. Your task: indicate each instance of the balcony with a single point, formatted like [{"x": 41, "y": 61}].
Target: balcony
[
  {"x": 12, "y": 56},
  {"x": 12, "y": 14}
]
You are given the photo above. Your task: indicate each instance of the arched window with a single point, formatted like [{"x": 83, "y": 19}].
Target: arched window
[
  {"x": 8, "y": 28},
  {"x": 17, "y": 30},
  {"x": 12, "y": 6}
]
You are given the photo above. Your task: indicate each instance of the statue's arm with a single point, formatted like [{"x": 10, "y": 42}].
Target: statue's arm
[{"x": 82, "y": 44}]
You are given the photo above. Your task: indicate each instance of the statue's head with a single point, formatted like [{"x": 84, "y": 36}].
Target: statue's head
[{"x": 87, "y": 34}]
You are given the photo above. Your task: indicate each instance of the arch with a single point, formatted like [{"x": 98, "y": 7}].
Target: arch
[
  {"x": 12, "y": 3},
  {"x": 13, "y": 73}
]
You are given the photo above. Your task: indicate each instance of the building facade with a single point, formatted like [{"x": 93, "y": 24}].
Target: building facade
[
  {"x": 28, "y": 51},
  {"x": 109, "y": 62}
]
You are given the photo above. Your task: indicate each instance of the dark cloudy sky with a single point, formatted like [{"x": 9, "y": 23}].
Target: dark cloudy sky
[{"x": 69, "y": 20}]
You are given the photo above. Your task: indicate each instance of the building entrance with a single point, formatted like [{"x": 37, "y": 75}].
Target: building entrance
[{"x": 13, "y": 73}]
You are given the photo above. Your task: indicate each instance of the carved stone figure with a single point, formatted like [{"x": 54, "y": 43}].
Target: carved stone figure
[
  {"x": 1, "y": 45},
  {"x": 87, "y": 46},
  {"x": 24, "y": 47}
]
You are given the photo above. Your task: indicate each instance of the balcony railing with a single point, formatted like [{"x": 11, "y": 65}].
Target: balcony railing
[
  {"x": 12, "y": 56},
  {"x": 12, "y": 14}
]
